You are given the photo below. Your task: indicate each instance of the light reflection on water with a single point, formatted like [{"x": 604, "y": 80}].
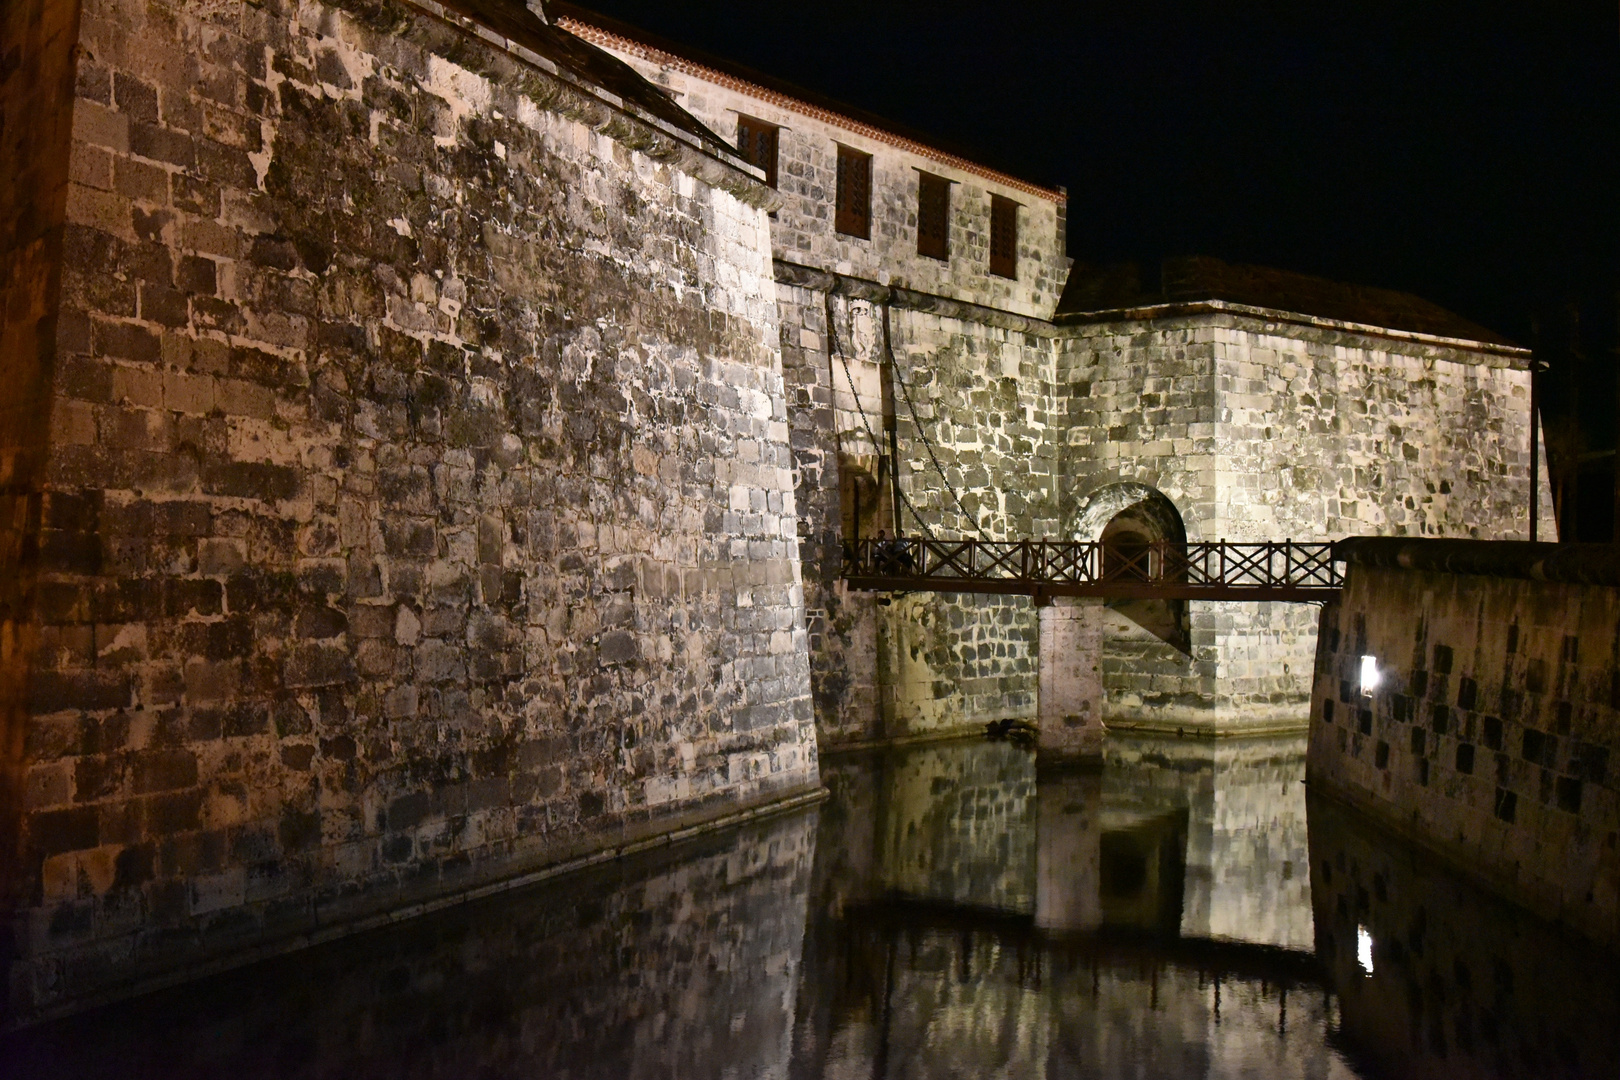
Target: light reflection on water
[{"x": 946, "y": 913}]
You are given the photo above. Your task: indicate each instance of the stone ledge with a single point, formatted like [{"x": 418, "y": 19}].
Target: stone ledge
[
  {"x": 1495, "y": 355},
  {"x": 808, "y": 277},
  {"x": 954, "y": 733},
  {"x": 1574, "y": 564}
]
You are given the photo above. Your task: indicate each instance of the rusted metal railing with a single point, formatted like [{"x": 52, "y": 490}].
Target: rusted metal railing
[{"x": 1220, "y": 570}]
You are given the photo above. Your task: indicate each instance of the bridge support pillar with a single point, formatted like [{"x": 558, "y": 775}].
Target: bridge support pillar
[{"x": 1071, "y": 689}]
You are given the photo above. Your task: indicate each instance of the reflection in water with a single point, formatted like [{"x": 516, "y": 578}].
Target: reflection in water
[
  {"x": 946, "y": 913},
  {"x": 1245, "y": 807},
  {"x": 1460, "y": 983},
  {"x": 949, "y": 948},
  {"x": 681, "y": 965}
]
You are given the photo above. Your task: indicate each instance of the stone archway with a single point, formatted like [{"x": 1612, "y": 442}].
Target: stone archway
[
  {"x": 1143, "y": 509},
  {"x": 1130, "y": 518}
]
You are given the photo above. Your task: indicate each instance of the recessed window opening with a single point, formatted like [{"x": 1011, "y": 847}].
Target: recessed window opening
[
  {"x": 933, "y": 216},
  {"x": 1369, "y": 675},
  {"x": 757, "y": 143},
  {"x": 852, "y": 215},
  {"x": 1003, "y": 237}
]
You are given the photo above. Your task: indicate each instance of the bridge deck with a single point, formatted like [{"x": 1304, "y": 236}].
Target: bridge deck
[{"x": 1219, "y": 570}]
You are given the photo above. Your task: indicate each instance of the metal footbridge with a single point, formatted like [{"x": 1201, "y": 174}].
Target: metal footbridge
[{"x": 1161, "y": 570}]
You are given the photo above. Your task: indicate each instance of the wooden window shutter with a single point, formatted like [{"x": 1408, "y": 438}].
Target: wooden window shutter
[
  {"x": 756, "y": 142},
  {"x": 1003, "y": 237},
  {"x": 933, "y": 216},
  {"x": 853, "y": 213}
]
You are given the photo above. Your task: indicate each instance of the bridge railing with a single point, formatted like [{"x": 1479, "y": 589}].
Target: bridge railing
[{"x": 1214, "y": 570}]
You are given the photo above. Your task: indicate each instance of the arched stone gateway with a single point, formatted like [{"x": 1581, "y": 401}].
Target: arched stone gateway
[
  {"x": 1127, "y": 506},
  {"x": 1133, "y": 520}
]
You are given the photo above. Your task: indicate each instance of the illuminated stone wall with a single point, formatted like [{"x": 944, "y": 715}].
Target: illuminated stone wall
[
  {"x": 411, "y": 515},
  {"x": 1264, "y": 426},
  {"x": 1491, "y": 733}
]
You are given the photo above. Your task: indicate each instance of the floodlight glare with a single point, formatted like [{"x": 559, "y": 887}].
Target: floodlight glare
[
  {"x": 1369, "y": 674},
  {"x": 1364, "y": 949}
]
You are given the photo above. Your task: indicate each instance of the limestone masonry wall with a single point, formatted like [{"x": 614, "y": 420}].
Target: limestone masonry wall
[
  {"x": 802, "y": 230},
  {"x": 1254, "y": 425},
  {"x": 1265, "y": 429},
  {"x": 430, "y": 449},
  {"x": 419, "y": 504},
  {"x": 974, "y": 407},
  {"x": 1490, "y": 732}
]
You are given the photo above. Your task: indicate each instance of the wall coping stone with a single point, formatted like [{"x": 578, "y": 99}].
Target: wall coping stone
[
  {"x": 805, "y": 277},
  {"x": 1574, "y": 564},
  {"x": 798, "y": 275},
  {"x": 1493, "y": 354}
]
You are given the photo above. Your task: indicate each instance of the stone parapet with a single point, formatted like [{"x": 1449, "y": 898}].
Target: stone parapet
[
  {"x": 1466, "y": 695},
  {"x": 1569, "y": 564}
]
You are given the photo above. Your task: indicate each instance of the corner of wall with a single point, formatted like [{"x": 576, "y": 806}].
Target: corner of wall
[{"x": 37, "y": 39}]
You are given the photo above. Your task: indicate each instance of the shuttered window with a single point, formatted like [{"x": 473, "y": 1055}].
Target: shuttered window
[
  {"x": 933, "y": 216},
  {"x": 853, "y": 214},
  {"x": 756, "y": 142},
  {"x": 1003, "y": 237}
]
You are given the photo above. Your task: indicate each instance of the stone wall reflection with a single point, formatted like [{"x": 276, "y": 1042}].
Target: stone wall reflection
[
  {"x": 1461, "y": 983},
  {"x": 1196, "y": 838},
  {"x": 686, "y": 964},
  {"x": 1246, "y": 844},
  {"x": 957, "y": 824},
  {"x": 940, "y": 945},
  {"x": 1243, "y": 804},
  {"x": 911, "y": 994}
]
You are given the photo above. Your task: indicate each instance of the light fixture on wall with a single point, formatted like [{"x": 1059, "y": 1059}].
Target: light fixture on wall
[
  {"x": 1364, "y": 949},
  {"x": 1369, "y": 674}
]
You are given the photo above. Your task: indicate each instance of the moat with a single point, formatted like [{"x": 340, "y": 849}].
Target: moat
[{"x": 1185, "y": 911}]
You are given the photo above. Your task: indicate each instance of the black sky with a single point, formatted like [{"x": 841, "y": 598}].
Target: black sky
[{"x": 1466, "y": 152}]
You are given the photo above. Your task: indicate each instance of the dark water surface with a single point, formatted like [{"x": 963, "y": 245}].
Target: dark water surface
[{"x": 1186, "y": 912}]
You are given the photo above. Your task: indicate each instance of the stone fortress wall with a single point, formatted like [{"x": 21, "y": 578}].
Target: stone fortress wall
[
  {"x": 976, "y": 358},
  {"x": 1257, "y": 426},
  {"x": 36, "y": 89},
  {"x": 803, "y": 229},
  {"x": 417, "y": 506},
  {"x": 1020, "y": 416},
  {"x": 433, "y": 460},
  {"x": 1487, "y": 734}
]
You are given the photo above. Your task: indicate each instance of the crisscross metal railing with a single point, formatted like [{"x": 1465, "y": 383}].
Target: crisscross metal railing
[{"x": 1218, "y": 570}]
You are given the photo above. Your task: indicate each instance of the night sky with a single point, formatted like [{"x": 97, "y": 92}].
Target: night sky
[{"x": 1466, "y": 152}]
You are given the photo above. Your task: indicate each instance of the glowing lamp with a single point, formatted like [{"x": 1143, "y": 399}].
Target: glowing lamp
[{"x": 1369, "y": 674}]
